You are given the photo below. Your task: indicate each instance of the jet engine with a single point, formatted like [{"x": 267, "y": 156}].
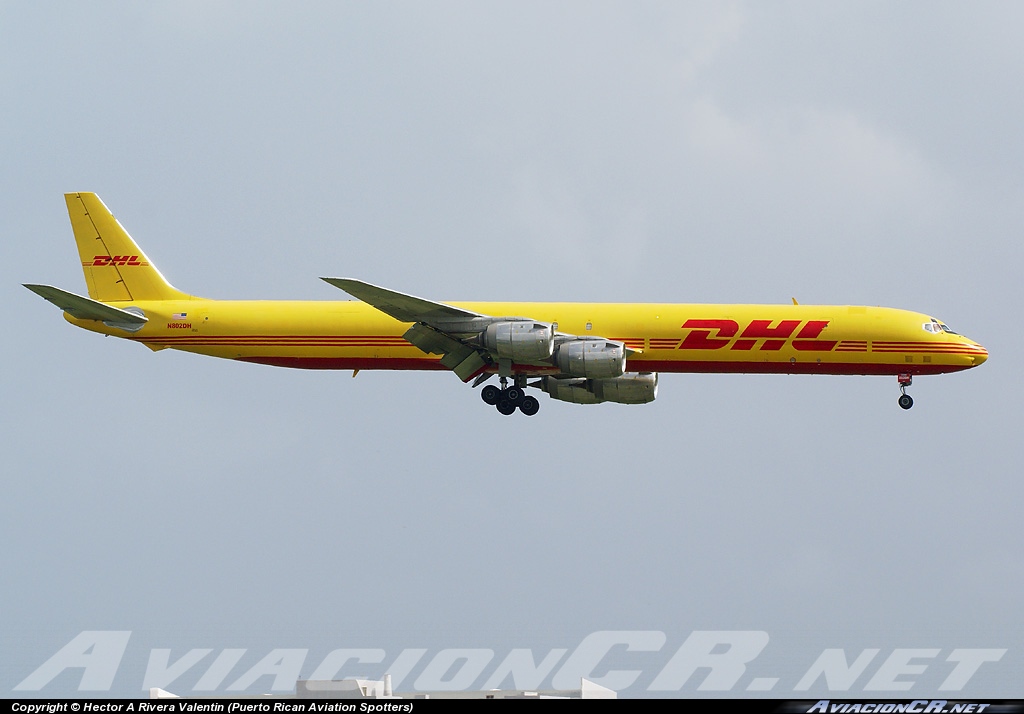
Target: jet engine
[
  {"x": 628, "y": 389},
  {"x": 594, "y": 359},
  {"x": 569, "y": 390},
  {"x": 521, "y": 341}
]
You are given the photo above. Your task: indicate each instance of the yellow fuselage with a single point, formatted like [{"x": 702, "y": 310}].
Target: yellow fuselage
[{"x": 666, "y": 337}]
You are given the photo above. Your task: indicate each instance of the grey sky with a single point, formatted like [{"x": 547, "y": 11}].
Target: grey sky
[{"x": 862, "y": 153}]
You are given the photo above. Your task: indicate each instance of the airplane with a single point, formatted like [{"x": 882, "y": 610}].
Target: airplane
[{"x": 584, "y": 353}]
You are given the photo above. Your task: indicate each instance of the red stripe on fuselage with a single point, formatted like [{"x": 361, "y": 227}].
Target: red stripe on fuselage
[
  {"x": 711, "y": 367},
  {"x": 347, "y": 362},
  {"x": 666, "y": 366}
]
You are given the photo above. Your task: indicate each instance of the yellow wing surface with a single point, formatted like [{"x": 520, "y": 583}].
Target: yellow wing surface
[{"x": 577, "y": 352}]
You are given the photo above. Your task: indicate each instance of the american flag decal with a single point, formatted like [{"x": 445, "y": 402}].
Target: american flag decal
[{"x": 179, "y": 316}]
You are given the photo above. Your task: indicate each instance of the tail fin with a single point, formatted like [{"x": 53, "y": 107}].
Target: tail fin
[{"x": 115, "y": 268}]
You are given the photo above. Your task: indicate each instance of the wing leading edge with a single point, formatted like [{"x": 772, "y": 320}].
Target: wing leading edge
[{"x": 402, "y": 307}]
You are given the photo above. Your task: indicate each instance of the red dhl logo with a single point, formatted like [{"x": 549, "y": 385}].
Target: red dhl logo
[
  {"x": 105, "y": 260},
  {"x": 717, "y": 334}
]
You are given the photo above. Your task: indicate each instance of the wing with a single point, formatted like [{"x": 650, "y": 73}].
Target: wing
[
  {"x": 471, "y": 343},
  {"x": 439, "y": 329},
  {"x": 402, "y": 307}
]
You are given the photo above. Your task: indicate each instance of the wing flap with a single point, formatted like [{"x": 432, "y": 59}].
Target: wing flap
[
  {"x": 431, "y": 341},
  {"x": 459, "y": 357},
  {"x": 85, "y": 308},
  {"x": 466, "y": 368}
]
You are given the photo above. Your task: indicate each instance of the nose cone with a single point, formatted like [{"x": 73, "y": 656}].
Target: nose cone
[{"x": 978, "y": 354}]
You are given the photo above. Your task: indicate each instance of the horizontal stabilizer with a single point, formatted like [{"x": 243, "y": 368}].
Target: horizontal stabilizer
[
  {"x": 402, "y": 307},
  {"x": 85, "y": 308}
]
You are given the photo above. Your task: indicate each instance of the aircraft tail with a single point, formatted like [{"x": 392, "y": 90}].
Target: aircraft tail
[{"x": 115, "y": 267}]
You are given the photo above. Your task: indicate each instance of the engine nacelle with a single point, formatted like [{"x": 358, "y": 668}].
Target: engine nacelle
[
  {"x": 569, "y": 390},
  {"x": 525, "y": 341},
  {"x": 627, "y": 389},
  {"x": 594, "y": 359}
]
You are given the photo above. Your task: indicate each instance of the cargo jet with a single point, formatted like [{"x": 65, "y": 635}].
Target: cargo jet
[{"x": 585, "y": 353}]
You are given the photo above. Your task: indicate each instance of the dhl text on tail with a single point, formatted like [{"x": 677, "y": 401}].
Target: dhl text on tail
[{"x": 576, "y": 352}]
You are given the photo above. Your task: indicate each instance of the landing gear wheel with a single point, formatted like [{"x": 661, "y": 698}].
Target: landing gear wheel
[
  {"x": 529, "y": 406},
  {"x": 490, "y": 394},
  {"x": 506, "y": 407},
  {"x": 514, "y": 395},
  {"x": 905, "y": 379}
]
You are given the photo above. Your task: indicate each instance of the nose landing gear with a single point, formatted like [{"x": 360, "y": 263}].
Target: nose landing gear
[
  {"x": 508, "y": 399},
  {"x": 905, "y": 400}
]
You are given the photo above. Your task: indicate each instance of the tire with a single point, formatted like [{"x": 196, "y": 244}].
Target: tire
[
  {"x": 529, "y": 406},
  {"x": 490, "y": 394},
  {"x": 905, "y": 401},
  {"x": 514, "y": 395},
  {"x": 506, "y": 407}
]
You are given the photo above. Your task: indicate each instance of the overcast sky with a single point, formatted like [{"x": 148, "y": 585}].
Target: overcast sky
[{"x": 858, "y": 153}]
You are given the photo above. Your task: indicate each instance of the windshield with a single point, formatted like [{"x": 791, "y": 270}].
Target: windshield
[{"x": 936, "y": 327}]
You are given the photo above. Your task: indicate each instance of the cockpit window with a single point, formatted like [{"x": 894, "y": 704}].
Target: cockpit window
[{"x": 937, "y": 327}]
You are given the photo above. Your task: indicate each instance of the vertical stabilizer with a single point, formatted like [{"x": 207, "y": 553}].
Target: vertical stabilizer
[{"x": 115, "y": 267}]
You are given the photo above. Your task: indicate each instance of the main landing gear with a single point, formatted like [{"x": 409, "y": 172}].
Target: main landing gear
[
  {"x": 905, "y": 400},
  {"x": 508, "y": 399}
]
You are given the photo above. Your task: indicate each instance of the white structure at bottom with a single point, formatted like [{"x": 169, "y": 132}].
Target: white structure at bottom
[{"x": 381, "y": 689}]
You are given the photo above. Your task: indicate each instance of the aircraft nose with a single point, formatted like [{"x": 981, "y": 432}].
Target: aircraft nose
[{"x": 979, "y": 355}]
